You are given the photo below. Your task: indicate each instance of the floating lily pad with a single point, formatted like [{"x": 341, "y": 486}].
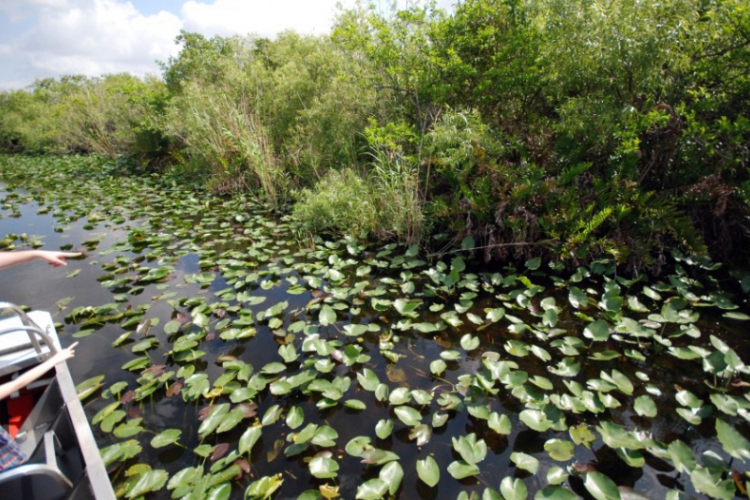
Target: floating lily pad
[
  {"x": 166, "y": 437},
  {"x": 525, "y": 461},
  {"x": 600, "y": 486},
  {"x": 513, "y": 489},
  {"x": 428, "y": 471}
]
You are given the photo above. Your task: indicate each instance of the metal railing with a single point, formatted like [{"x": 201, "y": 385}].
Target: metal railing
[{"x": 39, "y": 340}]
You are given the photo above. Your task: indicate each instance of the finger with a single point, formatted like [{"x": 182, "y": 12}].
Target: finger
[{"x": 71, "y": 346}]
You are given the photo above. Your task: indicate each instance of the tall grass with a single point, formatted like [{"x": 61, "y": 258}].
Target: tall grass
[
  {"x": 225, "y": 132},
  {"x": 396, "y": 180}
]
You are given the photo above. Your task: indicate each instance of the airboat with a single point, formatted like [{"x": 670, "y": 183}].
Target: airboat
[{"x": 46, "y": 418}]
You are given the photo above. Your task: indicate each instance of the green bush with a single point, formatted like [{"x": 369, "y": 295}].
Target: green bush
[
  {"x": 310, "y": 101},
  {"x": 33, "y": 121},
  {"x": 342, "y": 202},
  {"x": 112, "y": 116}
]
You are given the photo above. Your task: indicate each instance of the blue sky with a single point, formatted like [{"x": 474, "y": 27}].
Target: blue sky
[
  {"x": 149, "y": 7},
  {"x": 49, "y": 38}
]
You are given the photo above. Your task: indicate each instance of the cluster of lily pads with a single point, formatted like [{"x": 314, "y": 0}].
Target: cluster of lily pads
[{"x": 310, "y": 368}]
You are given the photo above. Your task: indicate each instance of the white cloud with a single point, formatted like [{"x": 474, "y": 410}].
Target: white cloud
[
  {"x": 18, "y": 10},
  {"x": 261, "y": 17},
  {"x": 50, "y": 38},
  {"x": 91, "y": 37},
  {"x": 14, "y": 4}
]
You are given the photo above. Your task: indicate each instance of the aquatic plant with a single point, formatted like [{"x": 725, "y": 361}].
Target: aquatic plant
[{"x": 255, "y": 364}]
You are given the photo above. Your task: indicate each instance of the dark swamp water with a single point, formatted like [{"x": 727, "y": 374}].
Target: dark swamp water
[{"x": 305, "y": 368}]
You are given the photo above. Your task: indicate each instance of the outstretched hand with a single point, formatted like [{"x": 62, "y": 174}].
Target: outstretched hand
[
  {"x": 53, "y": 258},
  {"x": 64, "y": 354},
  {"x": 57, "y": 259}
]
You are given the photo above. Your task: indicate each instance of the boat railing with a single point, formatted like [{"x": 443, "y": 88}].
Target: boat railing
[{"x": 19, "y": 334}]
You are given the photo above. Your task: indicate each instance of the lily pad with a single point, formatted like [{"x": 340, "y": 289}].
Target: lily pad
[
  {"x": 513, "y": 489},
  {"x": 525, "y": 461},
  {"x": 600, "y": 486},
  {"x": 559, "y": 449},
  {"x": 166, "y": 437},
  {"x": 428, "y": 471},
  {"x": 323, "y": 467}
]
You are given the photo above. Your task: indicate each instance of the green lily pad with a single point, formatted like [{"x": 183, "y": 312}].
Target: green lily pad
[
  {"x": 469, "y": 342},
  {"x": 89, "y": 387},
  {"x": 295, "y": 417},
  {"x": 372, "y": 489},
  {"x": 556, "y": 475},
  {"x": 555, "y": 493},
  {"x": 129, "y": 428},
  {"x": 323, "y": 467},
  {"x": 152, "y": 480},
  {"x": 327, "y": 315},
  {"x": 736, "y": 316},
  {"x": 710, "y": 482},
  {"x": 355, "y": 404},
  {"x": 368, "y": 380},
  {"x": 357, "y": 445},
  {"x": 461, "y": 470},
  {"x": 263, "y": 488},
  {"x": 600, "y": 486},
  {"x": 525, "y": 461},
  {"x": 400, "y": 396},
  {"x": 437, "y": 367},
  {"x": 597, "y": 331},
  {"x": 559, "y": 449},
  {"x": 213, "y": 420},
  {"x": 682, "y": 456},
  {"x": 230, "y": 421},
  {"x": 450, "y": 355},
  {"x": 577, "y": 298},
  {"x": 166, "y": 437},
  {"x": 513, "y": 489},
  {"x": 499, "y": 423},
  {"x": 408, "y": 415},
  {"x": 384, "y": 428},
  {"x": 249, "y": 438},
  {"x": 733, "y": 442},
  {"x": 470, "y": 448},
  {"x": 645, "y": 406},
  {"x": 428, "y": 471}
]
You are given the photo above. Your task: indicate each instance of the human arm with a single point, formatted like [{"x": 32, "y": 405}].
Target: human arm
[
  {"x": 31, "y": 375},
  {"x": 8, "y": 259}
]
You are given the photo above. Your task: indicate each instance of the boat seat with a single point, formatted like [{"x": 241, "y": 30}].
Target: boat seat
[
  {"x": 40, "y": 481},
  {"x": 45, "y": 414},
  {"x": 54, "y": 462}
]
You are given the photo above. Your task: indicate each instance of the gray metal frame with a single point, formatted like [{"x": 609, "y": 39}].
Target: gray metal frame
[{"x": 35, "y": 334}]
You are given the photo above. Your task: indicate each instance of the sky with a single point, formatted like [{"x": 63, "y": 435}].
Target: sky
[{"x": 50, "y": 38}]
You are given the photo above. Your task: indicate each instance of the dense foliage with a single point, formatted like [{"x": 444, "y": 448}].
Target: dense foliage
[{"x": 570, "y": 128}]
